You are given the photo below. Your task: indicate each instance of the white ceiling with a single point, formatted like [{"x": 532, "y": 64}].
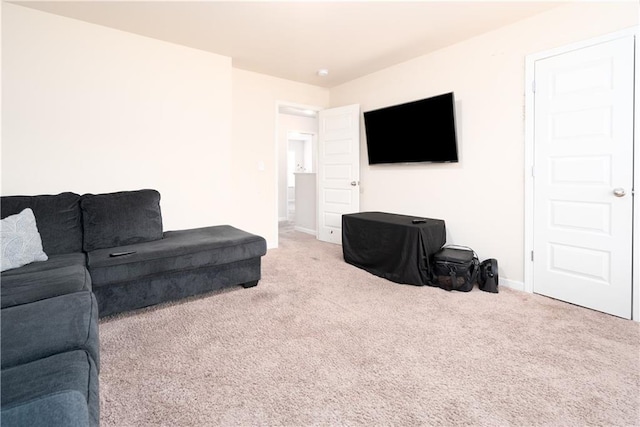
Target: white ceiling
[{"x": 293, "y": 39}]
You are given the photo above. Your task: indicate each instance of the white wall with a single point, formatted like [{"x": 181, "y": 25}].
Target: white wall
[
  {"x": 481, "y": 198},
  {"x": 92, "y": 109},
  {"x": 1, "y": 97},
  {"x": 255, "y": 98}
]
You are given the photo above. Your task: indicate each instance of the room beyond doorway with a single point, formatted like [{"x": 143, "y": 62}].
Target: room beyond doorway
[
  {"x": 296, "y": 152},
  {"x": 300, "y": 159}
]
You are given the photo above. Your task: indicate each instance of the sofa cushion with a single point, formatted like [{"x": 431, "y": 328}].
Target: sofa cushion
[
  {"x": 58, "y": 218},
  {"x": 54, "y": 261},
  {"x": 70, "y": 371},
  {"x": 61, "y": 409},
  {"x": 54, "y": 325},
  {"x": 24, "y": 288},
  {"x": 122, "y": 218},
  {"x": 20, "y": 241},
  {"x": 178, "y": 250}
]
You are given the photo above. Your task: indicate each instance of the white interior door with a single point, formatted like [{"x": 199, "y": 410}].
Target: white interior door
[
  {"x": 583, "y": 174},
  {"x": 338, "y": 169}
]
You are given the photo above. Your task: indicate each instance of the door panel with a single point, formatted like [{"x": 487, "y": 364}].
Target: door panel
[
  {"x": 338, "y": 169},
  {"x": 583, "y": 138}
]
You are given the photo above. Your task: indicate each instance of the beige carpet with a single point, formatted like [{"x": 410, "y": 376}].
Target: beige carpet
[{"x": 319, "y": 342}]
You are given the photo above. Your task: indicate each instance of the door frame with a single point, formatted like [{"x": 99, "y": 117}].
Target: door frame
[
  {"x": 277, "y": 106},
  {"x": 529, "y": 158}
]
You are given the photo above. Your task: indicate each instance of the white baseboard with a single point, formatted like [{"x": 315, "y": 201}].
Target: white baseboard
[
  {"x": 512, "y": 284},
  {"x": 304, "y": 230}
]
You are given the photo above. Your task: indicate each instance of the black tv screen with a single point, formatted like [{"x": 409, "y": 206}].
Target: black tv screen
[{"x": 418, "y": 131}]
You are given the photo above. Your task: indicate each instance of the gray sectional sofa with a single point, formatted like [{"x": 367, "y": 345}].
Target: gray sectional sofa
[{"x": 105, "y": 254}]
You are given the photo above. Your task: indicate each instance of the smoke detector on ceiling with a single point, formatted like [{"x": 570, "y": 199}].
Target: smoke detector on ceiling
[{"x": 322, "y": 72}]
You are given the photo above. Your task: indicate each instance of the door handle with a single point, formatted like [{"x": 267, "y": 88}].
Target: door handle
[
  {"x": 354, "y": 183},
  {"x": 619, "y": 192}
]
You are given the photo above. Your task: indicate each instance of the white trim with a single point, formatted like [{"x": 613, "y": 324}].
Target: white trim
[
  {"x": 305, "y": 230},
  {"x": 296, "y": 105},
  {"x": 511, "y": 284},
  {"x": 529, "y": 157},
  {"x": 584, "y": 43},
  {"x": 276, "y": 168},
  {"x": 529, "y": 74},
  {"x": 635, "y": 290}
]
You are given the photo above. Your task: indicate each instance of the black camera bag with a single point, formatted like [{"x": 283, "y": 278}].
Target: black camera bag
[
  {"x": 488, "y": 276},
  {"x": 455, "y": 268}
]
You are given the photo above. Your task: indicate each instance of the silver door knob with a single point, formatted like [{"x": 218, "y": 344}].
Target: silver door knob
[
  {"x": 354, "y": 183},
  {"x": 619, "y": 192}
]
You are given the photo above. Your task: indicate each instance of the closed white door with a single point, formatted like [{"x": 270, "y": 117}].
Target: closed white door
[
  {"x": 338, "y": 169},
  {"x": 583, "y": 176}
]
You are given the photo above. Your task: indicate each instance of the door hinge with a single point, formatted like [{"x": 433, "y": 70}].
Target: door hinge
[
  {"x": 533, "y": 171},
  {"x": 531, "y": 255},
  {"x": 533, "y": 86}
]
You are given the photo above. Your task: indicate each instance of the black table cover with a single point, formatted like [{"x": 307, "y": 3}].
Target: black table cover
[{"x": 391, "y": 246}]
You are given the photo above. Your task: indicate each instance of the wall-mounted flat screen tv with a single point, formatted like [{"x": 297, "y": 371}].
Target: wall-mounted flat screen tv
[{"x": 418, "y": 131}]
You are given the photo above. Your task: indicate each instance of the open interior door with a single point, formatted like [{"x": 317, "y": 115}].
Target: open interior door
[{"x": 338, "y": 169}]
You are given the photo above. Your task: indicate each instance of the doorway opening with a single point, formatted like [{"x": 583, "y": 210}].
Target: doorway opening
[
  {"x": 296, "y": 148},
  {"x": 299, "y": 161}
]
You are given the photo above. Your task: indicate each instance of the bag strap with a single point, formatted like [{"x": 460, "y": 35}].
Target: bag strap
[
  {"x": 453, "y": 278},
  {"x": 476, "y": 270}
]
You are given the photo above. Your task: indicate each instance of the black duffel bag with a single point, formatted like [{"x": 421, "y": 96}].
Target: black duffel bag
[{"x": 455, "y": 268}]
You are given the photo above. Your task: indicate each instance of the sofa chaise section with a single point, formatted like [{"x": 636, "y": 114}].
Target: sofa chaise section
[
  {"x": 181, "y": 264},
  {"x": 159, "y": 266}
]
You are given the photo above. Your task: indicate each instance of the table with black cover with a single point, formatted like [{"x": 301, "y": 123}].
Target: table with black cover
[{"x": 391, "y": 246}]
